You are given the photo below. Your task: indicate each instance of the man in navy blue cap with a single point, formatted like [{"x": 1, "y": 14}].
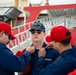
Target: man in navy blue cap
[
  {"x": 66, "y": 62},
  {"x": 37, "y": 26},
  {"x": 38, "y": 35}
]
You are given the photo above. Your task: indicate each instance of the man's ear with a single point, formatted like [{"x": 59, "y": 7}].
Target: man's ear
[
  {"x": 58, "y": 44},
  {"x": 1, "y": 33}
]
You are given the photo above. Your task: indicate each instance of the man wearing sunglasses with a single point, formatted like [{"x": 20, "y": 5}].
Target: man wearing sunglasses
[
  {"x": 9, "y": 63},
  {"x": 37, "y": 32}
]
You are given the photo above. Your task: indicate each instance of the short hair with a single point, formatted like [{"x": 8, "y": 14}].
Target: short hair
[{"x": 66, "y": 41}]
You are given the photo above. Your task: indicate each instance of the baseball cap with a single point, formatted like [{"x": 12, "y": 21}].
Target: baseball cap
[
  {"x": 7, "y": 28},
  {"x": 59, "y": 33},
  {"x": 37, "y": 26}
]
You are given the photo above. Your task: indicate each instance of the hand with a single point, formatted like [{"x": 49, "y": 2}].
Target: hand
[
  {"x": 31, "y": 49},
  {"x": 49, "y": 45},
  {"x": 42, "y": 52},
  {"x": 20, "y": 73}
]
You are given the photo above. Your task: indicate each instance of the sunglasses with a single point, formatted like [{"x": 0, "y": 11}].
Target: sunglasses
[
  {"x": 36, "y": 31},
  {"x": 8, "y": 35}
]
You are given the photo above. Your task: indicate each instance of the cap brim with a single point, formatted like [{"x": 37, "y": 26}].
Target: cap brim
[
  {"x": 48, "y": 38},
  {"x": 34, "y": 29},
  {"x": 12, "y": 35}
]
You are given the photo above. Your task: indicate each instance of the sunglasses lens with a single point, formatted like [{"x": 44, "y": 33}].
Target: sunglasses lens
[
  {"x": 39, "y": 31},
  {"x": 33, "y": 31},
  {"x": 8, "y": 35}
]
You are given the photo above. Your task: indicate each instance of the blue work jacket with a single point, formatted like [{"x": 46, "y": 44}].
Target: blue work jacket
[
  {"x": 9, "y": 63},
  {"x": 64, "y": 64}
]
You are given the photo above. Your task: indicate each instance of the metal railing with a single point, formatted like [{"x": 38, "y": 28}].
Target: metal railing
[{"x": 23, "y": 36}]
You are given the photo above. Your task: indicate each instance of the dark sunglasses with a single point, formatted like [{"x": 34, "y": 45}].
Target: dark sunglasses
[
  {"x": 34, "y": 31},
  {"x": 8, "y": 35}
]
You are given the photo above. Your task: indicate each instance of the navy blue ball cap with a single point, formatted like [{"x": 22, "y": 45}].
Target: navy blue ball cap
[{"x": 37, "y": 26}]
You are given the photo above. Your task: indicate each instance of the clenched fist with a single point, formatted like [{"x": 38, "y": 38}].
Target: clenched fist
[{"x": 31, "y": 49}]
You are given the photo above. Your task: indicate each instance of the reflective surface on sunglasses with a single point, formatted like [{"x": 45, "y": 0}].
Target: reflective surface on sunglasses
[
  {"x": 36, "y": 31},
  {"x": 8, "y": 35}
]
